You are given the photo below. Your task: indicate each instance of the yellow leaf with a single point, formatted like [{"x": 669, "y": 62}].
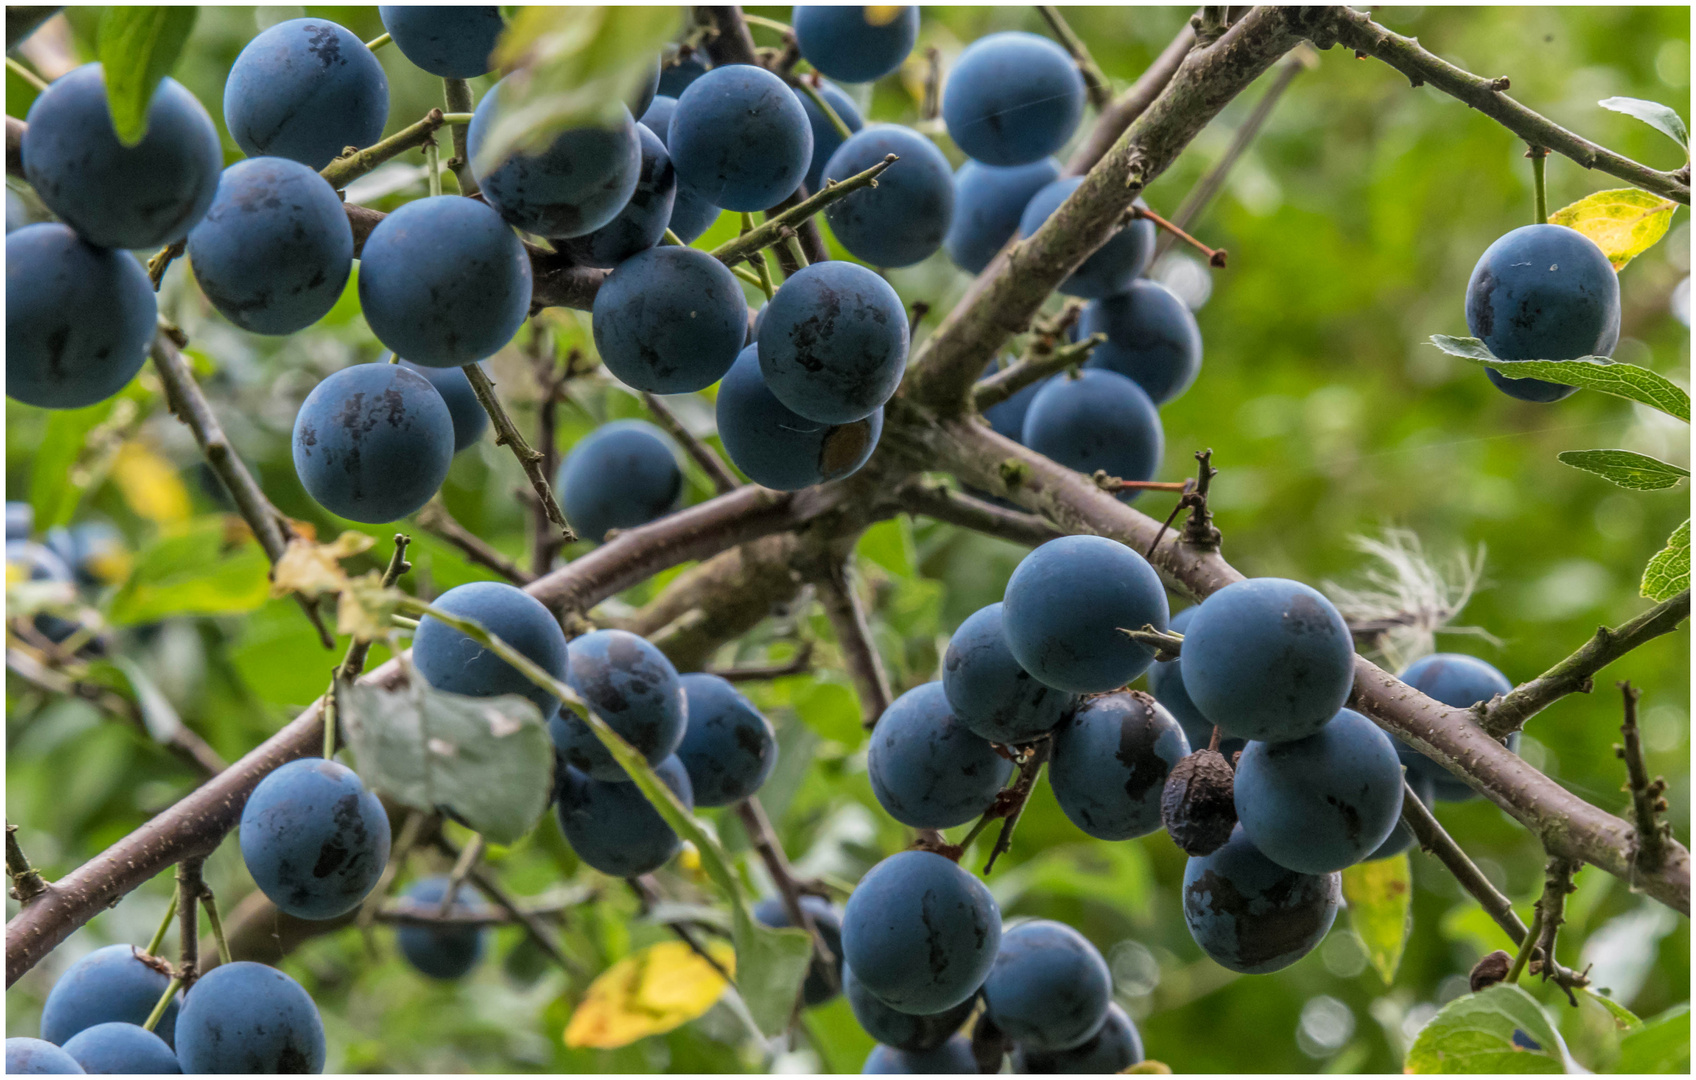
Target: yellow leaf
[
  {"x": 648, "y": 993},
  {"x": 1624, "y": 223},
  {"x": 1380, "y": 894},
  {"x": 1149, "y": 1067},
  {"x": 311, "y": 568},
  {"x": 150, "y": 484}
]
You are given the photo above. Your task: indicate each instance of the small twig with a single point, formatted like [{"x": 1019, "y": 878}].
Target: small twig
[
  {"x": 457, "y": 95},
  {"x": 800, "y": 663},
  {"x": 350, "y": 167},
  {"x": 806, "y": 87},
  {"x": 1199, "y": 531},
  {"x": 770, "y": 232},
  {"x": 533, "y": 925},
  {"x": 1038, "y": 364},
  {"x": 1095, "y": 83},
  {"x": 644, "y": 889},
  {"x": 853, "y": 637},
  {"x": 1015, "y": 798},
  {"x": 1527, "y": 946},
  {"x": 468, "y": 859},
  {"x": 1551, "y": 913},
  {"x": 507, "y": 434},
  {"x": 1177, "y": 508},
  {"x": 1215, "y": 256},
  {"x": 412, "y": 913},
  {"x": 27, "y": 882},
  {"x": 183, "y": 396},
  {"x": 434, "y": 518},
  {"x": 551, "y": 380},
  {"x": 919, "y": 310},
  {"x": 378, "y": 42},
  {"x": 1114, "y": 484},
  {"x": 1167, "y": 645},
  {"x": 1573, "y": 675},
  {"x": 353, "y": 661},
  {"x": 190, "y": 884},
  {"x": 723, "y": 480},
  {"x": 933, "y": 500},
  {"x": 764, "y": 839},
  {"x": 930, "y": 104},
  {"x": 158, "y": 939},
  {"x": 1647, "y": 796}
]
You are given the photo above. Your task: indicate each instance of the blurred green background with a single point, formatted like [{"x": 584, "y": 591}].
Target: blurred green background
[{"x": 1352, "y": 224}]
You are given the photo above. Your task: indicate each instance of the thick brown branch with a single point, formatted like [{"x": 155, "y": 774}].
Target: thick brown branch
[
  {"x": 1125, "y": 109},
  {"x": 1573, "y": 675},
  {"x": 1357, "y": 31},
  {"x": 719, "y": 600}
]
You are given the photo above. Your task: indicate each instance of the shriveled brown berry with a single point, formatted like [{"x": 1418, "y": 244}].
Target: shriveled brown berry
[
  {"x": 1196, "y": 804},
  {"x": 1491, "y": 970}
]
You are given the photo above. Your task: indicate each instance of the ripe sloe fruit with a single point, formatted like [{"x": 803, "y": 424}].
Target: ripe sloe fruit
[
  {"x": 1460, "y": 682},
  {"x": 691, "y": 212},
  {"x": 989, "y": 692},
  {"x": 1110, "y": 764},
  {"x": 1268, "y": 659},
  {"x": 1112, "y": 267},
  {"x": 903, "y": 219},
  {"x": 373, "y": 442},
  {"x": 823, "y": 980},
  {"x": 728, "y": 748},
  {"x": 1250, "y": 914},
  {"x": 447, "y": 41},
  {"x": 444, "y": 282},
  {"x": 952, "y": 1058},
  {"x": 988, "y": 203},
  {"x": 305, "y": 89},
  {"x": 855, "y": 44},
  {"x": 127, "y": 1049},
  {"x": 613, "y": 827},
  {"x": 777, "y": 447},
  {"x": 676, "y": 76},
  {"x": 898, "y": 1030},
  {"x": 1097, "y": 420},
  {"x": 670, "y": 320},
  {"x": 249, "y": 1018},
  {"x": 620, "y": 475},
  {"x": 1065, "y": 605},
  {"x": 644, "y": 219},
  {"x": 1401, "y": 837},
  {"x": 927, "y": 768},
  {"x": 740, "y": 139},
  {"x": 825, "y": 136},
  {"x": 1166, "y": 683},
  {"x": 454, "y": 663},
  {"x": 275, "y": 250},
  {"x": 1113, "y": 1049},
  {"x": 572, "y": 187},
  {"x": 1012, "y": 98},
  {"x": 470, "y": 419},
  {"x": 834, "y": 342},
  {"x": 118, "y": 196},
  {"x": 79, "y": 319},
  {"x": 26, "y": 1056},
  {"x": 1049, "y": 987},
  {"x": 1543, "y": 292},
  {"x": 1324, "y": 802},
  {"x": 443, "y": 952},
  {"x": 920, "y": 932},
  {"x": 1152, "y": 338},
  {"x": 314, "y": 839},
  {"x": 109, "y": 984},
  {"x": 633, "y": 687}
]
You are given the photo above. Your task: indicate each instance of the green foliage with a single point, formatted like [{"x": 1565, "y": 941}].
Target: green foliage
[
  {"x": 1660, "y": 117},
  {"x": 138, "y": 46},
  {"x": 1661, "y": 1045},
  {"x": 1501, "y": 1029},
  {"x": 201, "y": 567},
  {"x": 1380, "y": 899},
  {"x": 1628, "y": 469},
  {"x": 1668, "y": 573},
  {"x": 1591, "y": 373}
]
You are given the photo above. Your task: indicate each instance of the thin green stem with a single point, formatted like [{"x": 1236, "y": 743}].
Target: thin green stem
[
  {"x": 836, "y": 121},
  {"x": 457, "y": 118},
  {"x": 210, "y": 903},
  {"x": 762, "y": 269},
  {"x": 378, "y": 42},
  {"x": 747, "y": 275},
  {"x": 977, "y": 830},
  {"x": 433, "y": 166},
  {"x": 769, "y": 24},
  {"x": 403, "y": 622},
  {"x": 792, "y": 247},
  {"x": 330, "y": 718},
  {"x": 671, "y": 239},
  {"x": 1526, "y": 945},
  {"x": 774, "y": 228},
  {"x": 158, "y": 1012},
  {"x": 26, "y": 74},
  {"x": 1539, "y": 159},
  {"x": 164, "y": 926}
]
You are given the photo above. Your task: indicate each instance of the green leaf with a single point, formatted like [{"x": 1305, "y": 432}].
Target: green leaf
[
  {"x": 1660, "y": 117},
  {"x": 1590, "y": 372},
  {"x": 1501, "y": 1029},
  {"x": 575, "y": 67},
  {"x": 1668, "y": 573},
  {"x": 1623, "y": 1018},
  {"x": 1624, "y": 222},
  {"x": 1628, "y": 469},
  {"x": 200, "y": 567},
  {"x": 137, "y": 47},
  {"x": 1380, "y": 896},
  {"x": 54, "y": 493},
  {"x": 1662, "y": 1045},
  {"x": 157, "y": 712},
  {"x": 489, "y": 760}
]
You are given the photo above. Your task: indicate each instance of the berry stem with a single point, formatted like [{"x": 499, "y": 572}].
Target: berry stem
[
  {"x": 1539, "y": 160},
  {"x": 1215, "y": 256},
  {"x": 378, "y": 42},
  {"x": 24, "y": 73},
  {"x": 762, "y": 269},
  {"x": 772, "y": 230},
  {"x": 27, "y": 882},
  {"x": 158, "y": 940},
  {"x": 210, "y": 902},
  {"x": 158, "y": 1012},
  {"x": 1526, "y": 946},
  {"x": 456, "y": 95},
  {"x": 433, "y": 166},
  {"x": 806, "y": 87}
]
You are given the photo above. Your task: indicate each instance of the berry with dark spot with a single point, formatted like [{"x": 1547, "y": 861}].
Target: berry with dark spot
[
  {"x": 1152, "y": 339},
  {"x": 79, "y": 319},
  {"x": 898, "y": 1030},
  {"x": 306, "y": 89},
  {"x": 989, "y": 692},
  {"x": 444, "y": 952},
  {"x": 619, "y": 476},
  {"x": 118, "y": 196},
  {"x": 1012, "y": 98},
  {"x": 988, "y": 203},
  {"x": 1049, "y": 988},
  {"x": 779, "y": 448},
  {"x": 373, "y": 442},
  {"x": 633, "y": 687},
  {"x": 644, "y": 219},
  {"x": 1196, "y": 805},
  {"x": 1324, "y": 802},
  {"x": 110, "y": 984},
  {"x": 1111, "y": 762},
  {"x": 740, "y": 139},
  {"x": 446, "y": 40},
  {"x": 314, "y": 839},
  {"x": 670, "y": 320},
  {"x": 274, "y": 253},
  {"x": 612, "y": 826},
  {"x": 1250, "y": 914},
  {"x": 928, "y": 769},
  {"x": 855, "y": 44},
  {"x": 904, "y": 218},
  {"x": 920, "y": 933},
  {"x": 728, "y": 748},
  {"x": 249, "y": 1018},
  {"x": 823, "y": 976},
  {"x": 833, "y": 344},
  {"x": 452, "y": 662}
]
